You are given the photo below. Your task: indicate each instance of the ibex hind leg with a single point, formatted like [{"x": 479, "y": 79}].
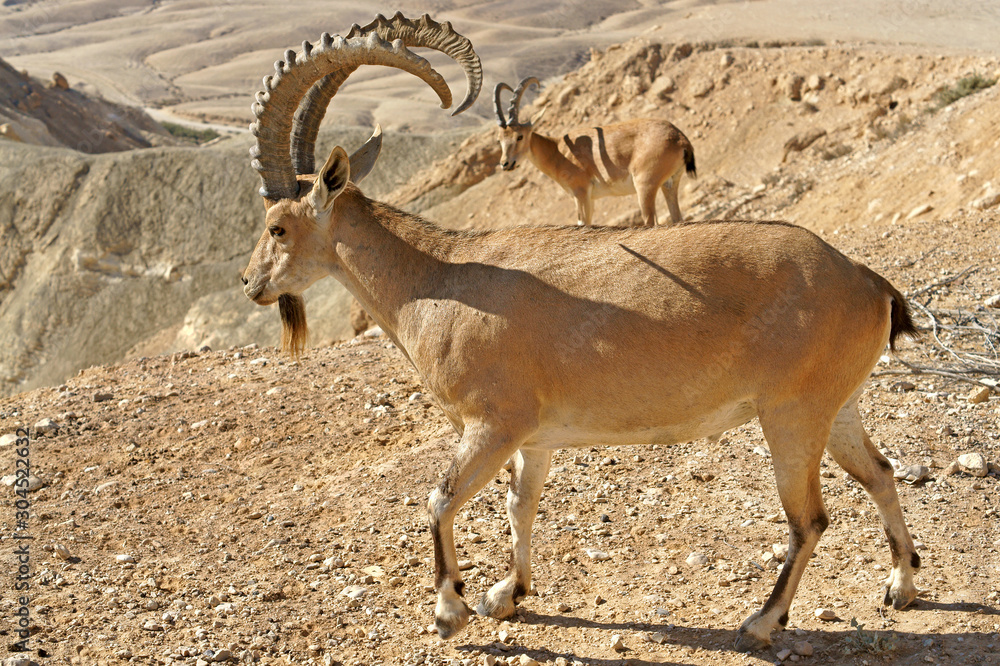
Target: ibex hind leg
[
  {"x": 481, "y": 454},
  {"x": 797, "y": 441},
  {"x": 527, "y": 479},
  {"x": 669, "y": 189},
  {"x": 853, "y": 450}
]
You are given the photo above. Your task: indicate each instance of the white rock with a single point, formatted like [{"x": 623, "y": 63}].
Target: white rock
[
  {"x": 803, "y": 648},
  {"x": 988, "y": 201},
  {"x": 355, "y": 592},
  {"x": 8, "y": 440},
  {"x": 596, "y": 555},
  {"x": 525, "y": 660},
  {"x": 45, "y": 426},
  {"x": 125, "y": 559},
  {"x": 697, "y": 559},
  {"x": 825, "y": 614},
  {"x": 373, "y": 332},
  {"x": 61, "y": 551},
  {"x": 974, "y": 463},
  {"x": 152, "y": 605},
  {"x": 616, "y": 643},
  {"x": 919, "y": 210},
  {"x": 784, "y": 654},
  {"x": 657, "y": 637},
  {"x": 780, "y": 551},
  {"x": 991, "y": 302},
  {"x": 761, "y": 451}
]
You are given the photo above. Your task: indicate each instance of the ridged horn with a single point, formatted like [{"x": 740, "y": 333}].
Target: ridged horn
[
  {"x": 284, "y": 89},
  {"x": 425, "y": 33},
  {"x": 500, "y": 87},
  {"x": 515, "y": 101}
]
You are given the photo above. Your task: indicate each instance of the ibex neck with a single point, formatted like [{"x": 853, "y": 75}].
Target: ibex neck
[
  {"x": 545, "y": 155},
  {"x": 386, "y": 258}
]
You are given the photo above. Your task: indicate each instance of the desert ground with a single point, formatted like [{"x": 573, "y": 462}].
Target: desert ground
[{"x": 199, "y": 499}]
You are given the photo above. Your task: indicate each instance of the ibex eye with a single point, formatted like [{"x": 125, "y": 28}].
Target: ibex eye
[
  {"x": 276, "y": 232},
  {"x": 519, "y": 137}
]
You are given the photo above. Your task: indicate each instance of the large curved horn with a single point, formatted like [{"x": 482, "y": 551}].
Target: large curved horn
[
  {"x": 424, "y": 32},
  {"x": 500, "y": 87},
  {"x": 293, "y": 77},
  {"x": 515, "y": 102}
]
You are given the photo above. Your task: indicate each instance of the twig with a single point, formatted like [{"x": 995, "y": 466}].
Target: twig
[{"x": 941, "y": 283}]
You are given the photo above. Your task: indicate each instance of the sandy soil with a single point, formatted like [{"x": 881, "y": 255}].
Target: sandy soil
[
  {"x": 204, "y": 60},
  {"x": 252, "y": 493}
]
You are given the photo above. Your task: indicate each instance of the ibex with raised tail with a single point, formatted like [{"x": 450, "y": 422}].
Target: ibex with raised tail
[
  {"x": 640, "y": 157},
  {"x": 538, "y": 338}
]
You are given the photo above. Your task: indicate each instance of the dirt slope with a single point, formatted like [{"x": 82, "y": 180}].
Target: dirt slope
[
  {"x": 54, "y": 114},
  {"x": 252, "y": 493},
  {"x": 874, "y": 144}
]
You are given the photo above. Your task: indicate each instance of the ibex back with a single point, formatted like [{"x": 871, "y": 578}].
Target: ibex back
[{"x": 533, "y": 339}]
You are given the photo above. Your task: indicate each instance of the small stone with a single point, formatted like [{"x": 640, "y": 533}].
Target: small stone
[
  {"x": 974, "y": 464},
  {"x": 992, "y": 301},
  {"x": 902, "y": 387},
  {"x": 465, "y": 565},
  {"x": 45, "y": 426},
  {"x": 598, "y": 600},
  {"x": 919, "y": 210},
  {"x": 61, "y": 551},
  {"x": 525, "y": 660},
  {"x": 825, "y": 614},
  {"x": 373, "y": 332},
  {"x": 784, "y": 654},
  {"x": 596, "y": 555},
  {"x": 616, "y": 643},
  {"x": 697, "y": 559},
  {"x": 488, "y": 660},
  {"x": 416, "y": 397},
  {"x": 761, "y": 451},
  {"x": 988, "y": 201},
  {"x": 152, "y": 626},
  {"x": 657, "y": 637},
  {"x": 8, "y": 440},
  {"x": 504, "y": 636},
  {"x": 152, "y": 605},
  {"x": 803, "y": 648},
  {"x": 103, "y": 397},
  {"x": 563, "y": 607},
  {"x": 125, "y": 559},
  {"x": 977, "y": 397},
  {"x": 222, "y": 655},
  {"x": 780, "y": 551}
]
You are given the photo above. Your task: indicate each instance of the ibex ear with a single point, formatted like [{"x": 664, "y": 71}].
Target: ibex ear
[
  {"x": 331, "y": 181},
  {"x": 363, "y": 159},
  {"x": 538, "y": 116}
]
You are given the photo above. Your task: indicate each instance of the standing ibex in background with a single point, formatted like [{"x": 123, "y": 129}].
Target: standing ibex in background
[
  {"x": 640, "y": 157},
  {"x": 538, "y": 338}
]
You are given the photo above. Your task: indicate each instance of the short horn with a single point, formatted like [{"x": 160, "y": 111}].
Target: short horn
[
  {"x": 294, "y": 76},
  {"x": 425, "y": 33},
  {"x": 515, "y": 102},
  {"x": 500, "y": 87}
]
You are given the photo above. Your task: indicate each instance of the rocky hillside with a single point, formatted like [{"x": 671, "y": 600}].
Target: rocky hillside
[
  {"x": 140, "y": 252},
  {"x": 819, "y": 135},
  {"x": 54, "y": 114}
]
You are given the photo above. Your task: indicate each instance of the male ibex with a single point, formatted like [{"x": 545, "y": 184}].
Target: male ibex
[
  {"x": 640, "y": 157},
  {"x": 537, "y": 338}
]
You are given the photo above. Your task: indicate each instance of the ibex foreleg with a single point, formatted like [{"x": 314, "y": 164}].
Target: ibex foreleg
[
  {"x": 481, "y": 454},
  {"x": 527, "y": 479},
  {"x": 853, "y": 450},
  {"x": 797, "y": 440}
]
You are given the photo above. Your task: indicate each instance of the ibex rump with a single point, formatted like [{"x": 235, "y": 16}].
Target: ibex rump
[
  {"x": 533, "y": 339},
  {"x": 640, "y": 157}
]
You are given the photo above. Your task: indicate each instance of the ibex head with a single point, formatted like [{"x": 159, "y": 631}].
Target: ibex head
[
  {"x": 514, "y": 136},
  {"x": 295, "y": 249}
]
